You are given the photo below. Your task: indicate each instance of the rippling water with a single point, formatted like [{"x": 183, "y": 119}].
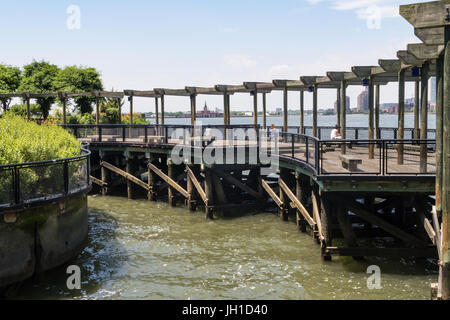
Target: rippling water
[{"x": 146, "y": 250}]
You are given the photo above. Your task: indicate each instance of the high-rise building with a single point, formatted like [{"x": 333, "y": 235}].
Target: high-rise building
[
  {"x": 347, "y": 104},
  {"x": 363, "y": 100},
  {"x": 433, "y": 90}
]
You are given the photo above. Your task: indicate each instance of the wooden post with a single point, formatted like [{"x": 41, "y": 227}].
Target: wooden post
[
  {"x": 284, "y": 210},
  {"x": 193, "y": 108},
  {"x": 255, "y": 109},
  {"x": 371, "y": 114},
  {"x": 156, "y": 112},
  {"x": 170, "y": 191},
  {"x": 151, "y": 195},
  {"x": 104, "y": 176},
  {"x": 326, "y": 222},
  {"x": 191, "y": 201},
  {"x": 64, "y": 100},
  {"x": 343, "y": 103},
  {"x": 401, "y": 114},
  {"x": 28, "y": 107},
  {"x": 130, "y": 98},
  {"x": 424, "y": 116},
  {"x": 225, "y": 108},
  {"x": 302, "y": 111},
  {"x": 416, "y": 108},
  {"x": 97, "y": 110},
  {"x": 129, "y": 169},
  {"x": 119, "y": 104},
  {"x": 338, "y": 106},
  {"x": 162, "y": 110},
  {"x": 445, "y": 201},
  {"x": 301, "y": 222},
  {"x": 314, "y": 128},
  {"x": 285, "y": 109},
  {"x": 264, "y": 110},
  {"x": 377, "y": 112},
  {"x": 209, "y": 194}
]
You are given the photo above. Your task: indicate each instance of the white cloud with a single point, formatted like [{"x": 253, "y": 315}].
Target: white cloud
[{"x": 239, "y": 61}]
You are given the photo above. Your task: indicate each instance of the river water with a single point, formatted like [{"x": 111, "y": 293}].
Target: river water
[
  {"x": 146, "y": 250},
  {"x": 352, "y": 120}
]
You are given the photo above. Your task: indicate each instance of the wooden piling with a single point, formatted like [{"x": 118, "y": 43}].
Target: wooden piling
[
  {"x": 193, "y": 108},
  {"x": 151, "y": 194},
  {"x": 170, "y": 191},
  {"x": 377, "y": 112},
  {"x": 285, "y": 109},
  {"x": 338, "y": 106},
  {"x": 416, "y": 108},
  {"x": 401, "y": 114},
  {"x": 209, "y": 191},
  {"x": 314, "y": 124},
  {"x": 301, "y": 222},
  {"x": 130, "y": 170},
  {"x": 302, "y": 111},
  {"x": 264, "y": 110},
  {"x": 343, "y": 104},
  {"x": 424, "y": 116},
  {"x": 371, "y": 115},
  {"x": 191, "y": 200},
  {"x": 255, "y": 109}
]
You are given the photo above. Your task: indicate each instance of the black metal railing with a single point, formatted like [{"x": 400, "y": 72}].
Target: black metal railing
[
  {"x": 356, "y": 155},
  {"x": 32, "y": 184}
]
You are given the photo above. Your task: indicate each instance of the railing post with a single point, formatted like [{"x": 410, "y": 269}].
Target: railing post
[
  {"x": 16, "y": 181},
  {"x": 99, "y": 133},
  {"x": 356, "y": 134},
  {"x": 123, "y": 133},
  {"x": 66, "y": 177},
  {"x": 317, "y": 155},
  {"x": 307, "y": 149},
  {"x": 292, "y": 141},
  {"x": 145, "y": 134}
]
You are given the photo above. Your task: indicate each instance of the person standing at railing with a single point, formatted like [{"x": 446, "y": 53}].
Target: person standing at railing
[
  {"x": 272, "y": 130},
  {"x": 335, "y": 134}
]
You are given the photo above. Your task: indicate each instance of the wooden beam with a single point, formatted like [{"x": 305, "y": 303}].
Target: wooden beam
[
  {"x": 297, "y": 203},
  {"x": 317, "y": 216},
  {"x": 365, "y": 214},
  {"x": 271, "y": 193},
  {"x": 124, "y": 174},
  {"x": 168, "y": 180},
  {"x": 197, "y": 185},
  {"x": 98, "y": 181}
]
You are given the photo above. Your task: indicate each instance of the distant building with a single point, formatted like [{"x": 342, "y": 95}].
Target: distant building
[
  {"x": 347, "y": 104},
  {"x": 205, "y": 113},
  {"x": 278, "y": 111},
  {"x": 363, "y": 100}
]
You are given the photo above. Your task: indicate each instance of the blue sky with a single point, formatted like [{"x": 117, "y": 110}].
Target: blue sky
[{"x": 153, "y": 44}]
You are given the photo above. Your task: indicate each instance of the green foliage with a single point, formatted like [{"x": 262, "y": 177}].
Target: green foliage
[
  {"x": 38, "y": 77},
  {"x": 109, "y": 110},
  {"x": 21, "y": 110},
  {"x": 9, "y": 82},
  {"x": 79, "y": 79},
  {"x": 25, "y": 141},
  {"x": 86, "y": 118},
  {"x": 138, "y": 118}
]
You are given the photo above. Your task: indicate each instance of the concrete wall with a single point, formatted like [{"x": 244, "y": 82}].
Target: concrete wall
[{"x": 39, "y": 239}]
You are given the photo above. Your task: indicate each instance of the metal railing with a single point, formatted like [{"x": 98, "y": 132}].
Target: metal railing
[
  {"x": 24, "y": 185},
  {"x": 355, "y": 156}
]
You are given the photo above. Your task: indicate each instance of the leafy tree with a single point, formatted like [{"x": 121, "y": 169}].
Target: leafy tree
[
  {"x": 79, "y": 79},
  {"x": 9, "y": 82},
  {"x": 38, "y": 77}
]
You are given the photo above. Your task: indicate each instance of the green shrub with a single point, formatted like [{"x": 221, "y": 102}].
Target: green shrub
[{"x": 25, "y": 141}]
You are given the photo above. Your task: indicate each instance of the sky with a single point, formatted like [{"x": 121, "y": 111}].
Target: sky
[{"x": 148, "y": 44}]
